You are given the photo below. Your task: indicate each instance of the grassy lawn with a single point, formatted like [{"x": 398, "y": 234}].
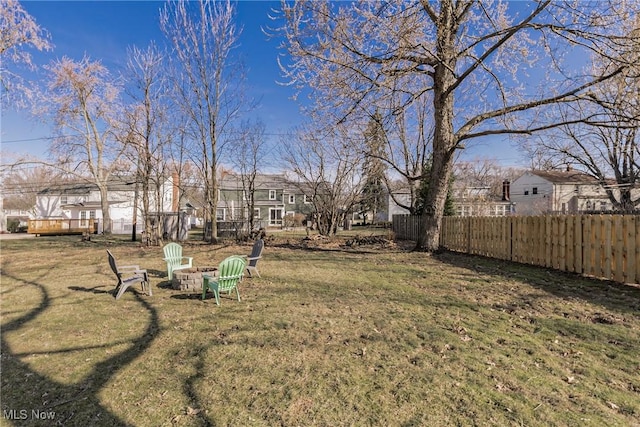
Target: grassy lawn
[{"x": 330, "y": 335}]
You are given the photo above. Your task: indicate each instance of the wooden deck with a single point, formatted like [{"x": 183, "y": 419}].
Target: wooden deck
[{"x": 62, "y": 226}]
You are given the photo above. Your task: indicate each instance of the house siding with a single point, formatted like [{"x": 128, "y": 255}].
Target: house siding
[
  {"x": 271, "y": 194},
  {"x": 72, "y": 201},
  {"x": 574, "y": 194}
]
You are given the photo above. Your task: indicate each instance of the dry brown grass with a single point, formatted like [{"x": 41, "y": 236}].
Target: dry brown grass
[{"x": 330, "y": 335}]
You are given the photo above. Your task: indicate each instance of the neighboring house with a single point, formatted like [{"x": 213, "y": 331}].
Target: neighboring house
[
  {"x": 390, "y": 207},
  {"x": 81, "y": 201},
  {"x": 275, "y": 197},
  {"x": 14, "y": 216},
  {"x": 478, "y": 201},
  {"x": 467, "y": 201},
  {"x": 566, "y": 192},
  {"x": 390, "y": 204}
]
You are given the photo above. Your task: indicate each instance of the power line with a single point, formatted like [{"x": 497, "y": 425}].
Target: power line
[{"x": 11, "y": 141}]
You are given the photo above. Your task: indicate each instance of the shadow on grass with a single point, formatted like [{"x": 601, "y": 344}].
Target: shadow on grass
[
  {"x": 165, "y": 284},
  {"x": 76, "y": 404},
  {"x": 93, "y": 290},
  {"x": 157, "y": 273},
  {"x": 610, "y": 295},
  {"x": 189, "y": 296},
  {"x": 191, "y": 382}
]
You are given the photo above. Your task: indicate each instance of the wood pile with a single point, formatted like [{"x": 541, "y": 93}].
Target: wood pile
[{"x": 369, "y": 240}]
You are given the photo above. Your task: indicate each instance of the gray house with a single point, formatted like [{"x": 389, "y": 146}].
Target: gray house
[{"x": 277, "y": 201}]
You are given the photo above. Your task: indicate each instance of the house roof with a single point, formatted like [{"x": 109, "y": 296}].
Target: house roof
[
  {"x": 233, "y": 181},
  {"x": 565, "y": 177},
  {"x": 115, "y": 183}
]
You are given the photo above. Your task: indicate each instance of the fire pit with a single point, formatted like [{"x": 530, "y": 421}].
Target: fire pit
[{"x": 190, "y": 279}]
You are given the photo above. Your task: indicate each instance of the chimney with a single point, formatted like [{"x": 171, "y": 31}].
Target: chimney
[
  {"x": 506, "y": 190},
  {"x": 175, "y": 207}
]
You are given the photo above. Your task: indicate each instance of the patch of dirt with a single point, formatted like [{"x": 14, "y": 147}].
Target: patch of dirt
[{"x": 355, "y": 244}]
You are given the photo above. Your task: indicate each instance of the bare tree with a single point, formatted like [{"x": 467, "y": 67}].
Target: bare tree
[
  {"x": 85, "y": 102},
  {"x": 249, "y": 156},
  {"x": 478, "y": 63},
  {"x": 21, "y": 184},
  {"x": 408, "y": 153},
  {"x": 328, "y": 171},
  {"x": 18, "y": 32},
  {"x": 602, "y": 137},
  {"x": 486, "y": 174},
  {"x": 538, "y": 157},
  {"x": 208, "y": 81},
  {"x": 373, "y": 168},
  {"x": 146, "y": 123}
]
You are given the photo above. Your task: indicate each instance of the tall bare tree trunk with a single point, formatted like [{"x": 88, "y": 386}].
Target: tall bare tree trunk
[
  {"x": 104, "y": 205},
  {"x": 444, "y": 142},
  {"x": 213, "y": 199}
]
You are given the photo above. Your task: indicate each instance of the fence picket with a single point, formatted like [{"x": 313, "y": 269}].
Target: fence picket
[
  {"x": 632, "y": 253},
  {"x": 577, "y": 243},
  {"x": 606, "y": 246},
  {"x": 587, "y": 247},
  {"x": 618, "y": 250}
]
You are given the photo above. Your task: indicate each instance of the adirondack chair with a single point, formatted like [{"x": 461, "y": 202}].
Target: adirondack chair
[
  {"x": 128, "y": 275},
  {"x": 173, "y": 257},
  {"x": 252, "y": 259},
  {"x": 230, "y": 271}
]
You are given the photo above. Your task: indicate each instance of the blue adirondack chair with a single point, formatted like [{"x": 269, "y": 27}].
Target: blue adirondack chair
[
  {"x": 174, "y": 259},
  {"x": 230, "y": 271}
]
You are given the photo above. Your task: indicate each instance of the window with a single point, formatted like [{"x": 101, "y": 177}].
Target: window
[
  {"x": 535, "y": 190},
  {"x": 256, "y": 213},
  {"x": 292, "y": 199},
  {"x": 526, "y": 192},
  {"x": 63, "y": 200},
  {"x": 307, "y": 199},
  {"x": 603, "y": 206},
  {"x": 83, "y": 219},
  {"x": 275, "y": 216},
  {"x": 220, "y": 214},
  {"x": 272, "y": 194}
]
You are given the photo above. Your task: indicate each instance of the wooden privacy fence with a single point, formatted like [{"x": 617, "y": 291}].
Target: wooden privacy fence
[{"x": 604, "y": 246}]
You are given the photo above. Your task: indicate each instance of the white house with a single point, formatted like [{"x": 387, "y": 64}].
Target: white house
[
  {"x": 479, "y": 201},
  {"x": 569, "y": 192},
  {"x": 81, "y": 201},
  {"x": 467, "y": 201},
  {"x": 11, "y": 214}
]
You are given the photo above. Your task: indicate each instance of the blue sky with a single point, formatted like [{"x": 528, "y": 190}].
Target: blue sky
[{"x": 104, "y": 29}]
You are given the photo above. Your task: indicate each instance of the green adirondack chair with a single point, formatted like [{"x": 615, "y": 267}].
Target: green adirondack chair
[
  {"x": 175, "y": 260},
  {"x": 230, "y": 271}
]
